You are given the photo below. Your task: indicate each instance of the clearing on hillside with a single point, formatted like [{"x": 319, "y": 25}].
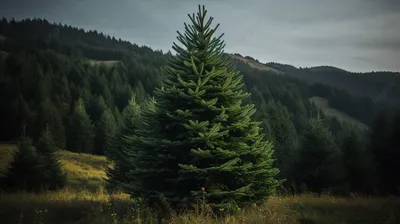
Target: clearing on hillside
[
  {"x": 107, "y": 63},
  {"x": 254, "y": 64},
  {"x": 323, "y": 104},
  {"x": 83, "y": 170}
]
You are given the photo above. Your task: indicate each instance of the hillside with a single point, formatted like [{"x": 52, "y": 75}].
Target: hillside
[
  {"x": 377, "y": 85},
  {"x": 323, "y": 104}
]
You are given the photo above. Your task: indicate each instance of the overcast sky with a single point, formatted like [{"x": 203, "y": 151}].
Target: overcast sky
[{"x": 356, "y": 35}]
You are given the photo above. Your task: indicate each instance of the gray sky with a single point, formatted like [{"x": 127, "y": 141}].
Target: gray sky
[{"x": 356, "y": 35}]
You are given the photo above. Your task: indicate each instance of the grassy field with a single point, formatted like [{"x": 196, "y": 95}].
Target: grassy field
[
  {"x": 86, "y": 201},
  {"x": 83, "y": 170},
  {"x": 323, "y": 104}
]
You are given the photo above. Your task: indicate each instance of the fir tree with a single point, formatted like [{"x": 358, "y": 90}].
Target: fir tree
[
  {"x": 284, "y": 136},
  {"x": 395, "y": 154},
  {"x": 318, "y": 164},
  {"x": 106, "y": 131},
  {"x": 49, "y": 117},
  {"x": 81, "y": 130},
  {"x": 359, "y": 164},
  {"x": 122, "y": 154},
  {"x": 52, "y": 175},
  {"x": 140, "y": 92},
  {"x": 386, "y": 149},
  {"x": 25, "y": 170},
  {"x": 380, "y": 139},
  {"x": 96, "y": 108},
  {"x": 198, "y": 139}
]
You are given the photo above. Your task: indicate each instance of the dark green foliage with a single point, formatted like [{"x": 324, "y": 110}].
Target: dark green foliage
[
  {"x": 199, "y": 139},
  {"x": 24, "y": 172},
  {"x": 359, "y": 163},
  {"x": 123, "y": 152},
  {"x": 385, "y": 147},
  {"x": 106, "y": 130},
  {"x": 48, "y": 116},
  {"x": 34, "y": 169},
  {"x": 52, "y": 175},
  {"x": 319, "y": 164},
  {"x": 96, "y": 108},
  {"x": 377, "y": 85},
  {"x": 395, "y": 153},
  {"x": 284, "y": 134},
  {"x": 140, "y": 92},
  {"x": 80, "y": 130}
]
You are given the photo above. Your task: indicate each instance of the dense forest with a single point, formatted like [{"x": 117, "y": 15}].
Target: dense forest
[{"x": 97, "y": 94}]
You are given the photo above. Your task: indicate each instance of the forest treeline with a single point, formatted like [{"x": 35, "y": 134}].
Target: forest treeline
[{"x": 52, "y": 78}]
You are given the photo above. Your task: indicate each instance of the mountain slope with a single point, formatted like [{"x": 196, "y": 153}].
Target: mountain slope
[{"x": 65, "y": 63}]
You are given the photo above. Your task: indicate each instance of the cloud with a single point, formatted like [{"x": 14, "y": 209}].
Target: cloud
[{"x": 357, "y": 35}]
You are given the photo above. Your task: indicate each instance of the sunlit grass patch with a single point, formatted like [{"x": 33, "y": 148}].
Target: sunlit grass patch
[
  {"x": 83, "y": 170},
  {"x": 6, "y": 151}
]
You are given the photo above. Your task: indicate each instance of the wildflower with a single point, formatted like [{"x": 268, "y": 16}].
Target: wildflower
[{"x": 203, "y": 188}]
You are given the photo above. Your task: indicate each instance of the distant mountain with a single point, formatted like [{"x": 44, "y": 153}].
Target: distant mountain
[
  {"x": 380, "y": 86},
  {"x": 98, "y": 46},
  {"x": 40, "y": 60}
]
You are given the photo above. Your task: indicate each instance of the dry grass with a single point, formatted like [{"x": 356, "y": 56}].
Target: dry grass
[
  {"x": 83, "y": 170},
  {"x": 74, "y": 206},
  {"x": 323, "y": 104},
  {"x": 86, "y": 205},
  {"x": 5, "y": 156}
]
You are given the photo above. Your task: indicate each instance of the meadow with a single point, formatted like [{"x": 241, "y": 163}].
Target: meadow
[{"x": 85, "y": 200}]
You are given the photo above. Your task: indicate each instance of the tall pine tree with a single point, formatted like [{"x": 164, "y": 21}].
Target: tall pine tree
[
  {"x": 106, "y": 131},
  {"x": 52, "y": 176},
  {"x": 80, "y": 131},
  {"x": 380, "y": 139},
  {"x": 198, "y": 139},
  {"x": 319, "y": 163},
  {"x": 123, "y": 153},
  {"x": 359, "y": 164},
  {"x": 25, "y": 170}
]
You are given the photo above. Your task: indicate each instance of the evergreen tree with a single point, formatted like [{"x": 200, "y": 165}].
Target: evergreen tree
[
  {"x": 24, "y": 171},
  {"x": 106, "y": 131},
  {"x": 284, "y": 136},
  {"x": 359, "y": 164},
  {"x": 199, "y": 139},
  {"x": 96, "y": 108},
  {"x": 318, "y": 164},
  {"x": 80, "y": 131},
  {"x": 48, "y": 116},
  {"x": 283, "y": 133},
  {"x": 395, "y": 154},
  {"x": 123, "y": 152},
  {"x": 52, "y": 175},
  {"x": 140, "y": 92},
  {"x": 380, "y": 139},
  {"x": 261, "y": 113}
]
